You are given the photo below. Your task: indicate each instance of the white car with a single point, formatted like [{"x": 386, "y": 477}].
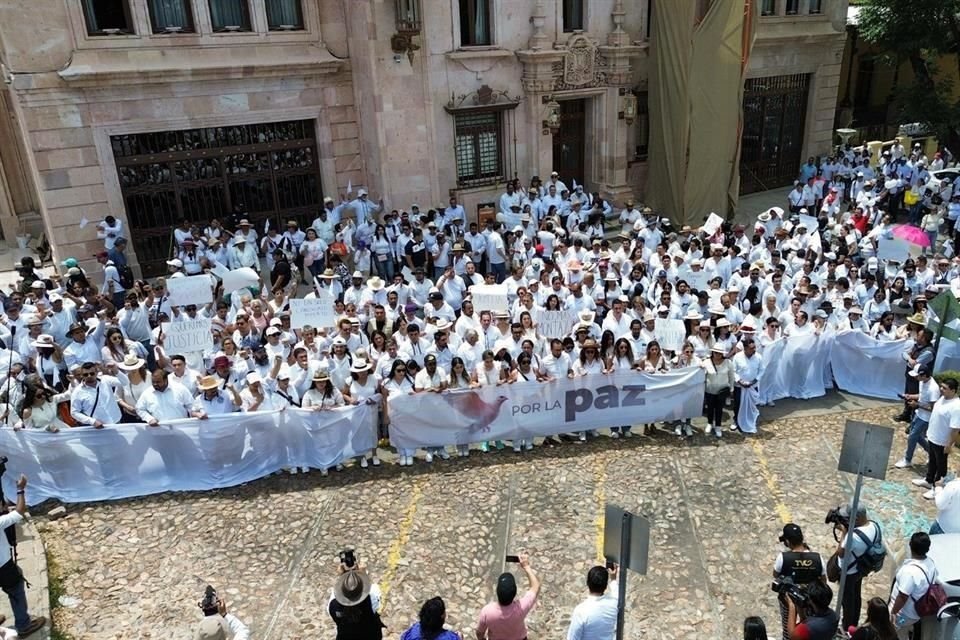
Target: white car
[{"x": 943, "y": 552}]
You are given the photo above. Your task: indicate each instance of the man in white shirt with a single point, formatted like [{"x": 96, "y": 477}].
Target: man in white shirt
[
  {"x": 164, "y": 401},
  {"x": 596, "y": 617},
  {"x": 942, "y": 432},
  {"x": 93, "y": 402},
  {"x": 25, "y": 624},
  {"x": 911, "y": 583}
]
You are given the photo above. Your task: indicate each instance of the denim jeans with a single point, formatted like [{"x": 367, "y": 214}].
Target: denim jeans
[
  {"x": 500, "y": 271},
  {"x": 18, "y": 603},
  {"x": 917, "y": 436}
]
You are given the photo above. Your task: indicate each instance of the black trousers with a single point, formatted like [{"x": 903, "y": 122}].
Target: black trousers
[
  {"x": 910, "y": 386},
  {"x": 737, "y": 393},
  {"x": 715, "y": 402},
  {"x": 936, "y": 462},
  {"x": 851, "y": 600}
]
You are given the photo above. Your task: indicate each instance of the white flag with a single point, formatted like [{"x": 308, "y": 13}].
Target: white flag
[
  {"x": 574, "y": 185},
  {"x": 349, "y": 187},
  {"x": 266, "y": 226},
  {"x": 84, "y": 222}
]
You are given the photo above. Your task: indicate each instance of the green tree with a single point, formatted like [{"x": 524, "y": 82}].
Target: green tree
[{"x": 920, "y": 32}]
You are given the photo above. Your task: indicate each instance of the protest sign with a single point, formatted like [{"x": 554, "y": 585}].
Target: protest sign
[
  {"x": 188, "y": 336},
  {"x": 712, "y": 224},
  {"x": 695, "y": 279},
  {"x": 489, "y": 297},
  {"x": 219, "y": 270},
  {"x": 316, "y": 312},
  {"x": 892, "y": 249},
  {"x": 554, "y": 324},
  {"x": 670, "y": 334},
  {"x": 240, "y": 278},
  {"x": 189, "y": 290}
]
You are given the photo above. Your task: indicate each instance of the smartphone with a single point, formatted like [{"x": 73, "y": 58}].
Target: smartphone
[{"x": 513, "y": 559}]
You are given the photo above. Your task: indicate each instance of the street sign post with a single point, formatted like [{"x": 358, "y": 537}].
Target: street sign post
[
  {"x": 866, "y": 453},
  {"x": 626, "y": 542}
]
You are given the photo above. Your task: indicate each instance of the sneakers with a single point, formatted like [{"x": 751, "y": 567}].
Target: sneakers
[
  {"x": 614, "y": 434},
  {"x": 443, "y": 454},
  {"x": 428, "y": 457},
  {"x": 717, "y": 431},
  {"x": 304, "y": 469},
  {"x": 292, "y": 471},
  {"x": 484, "y": 447},
  {"x": 929, "y": 495},
  {"x": 688, "y": 430},
  {"x": 582, "y": 437},
  {"x": 734, "y": 427},
  {"x": 678, "y": 430},
  {"x": 463, "y": 450},
  {"x": 902, "y": 463},
  {"x": 516, "y": 446},
  {"x": 35, "y": 625},
  {"x": 339, "y": 467},
  {"x": 375, "y": 460},
  {"x": 529, "y": 445},
  {"x": 626, "y": 433},
  {"x": 363, "y": 463},
  {"x": 921, "y": 482},
  {"x": 324, "y": 472}
]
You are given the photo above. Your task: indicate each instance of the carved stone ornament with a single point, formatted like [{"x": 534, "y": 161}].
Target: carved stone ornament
[{"x": 579, "y": 62}]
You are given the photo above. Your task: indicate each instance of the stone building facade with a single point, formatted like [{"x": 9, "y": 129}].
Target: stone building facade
[{"x": 153, "y": 110}]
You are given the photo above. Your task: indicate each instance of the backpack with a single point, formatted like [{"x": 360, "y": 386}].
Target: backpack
[
  {"x": 872, "y": 560},
  {"x": 126, "y": 277},
  {"x": 929, "y": 603}
]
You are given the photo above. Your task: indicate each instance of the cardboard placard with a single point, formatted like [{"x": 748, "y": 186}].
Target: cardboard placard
[
  {"x": 695, "y": 279},
  {"x": 670, "y": 334},
  {"x": 554, "y": 324},
  {"x": 489, "y": 297},
  {"x": 316, "y": 312},
  {"x": 188, "y": 336},
  {"x": 712, "y": 224},
  {"x": 189, "y": 290}
]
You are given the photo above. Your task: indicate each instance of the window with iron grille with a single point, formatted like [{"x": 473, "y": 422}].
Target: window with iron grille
[
  {"x": 107, "y": 17},
  {"x": 478, "y": 148},
  {"x": 170, "y": 16}
]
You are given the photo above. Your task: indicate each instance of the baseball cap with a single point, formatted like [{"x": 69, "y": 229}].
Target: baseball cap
[{"x": 791, "y": 533}]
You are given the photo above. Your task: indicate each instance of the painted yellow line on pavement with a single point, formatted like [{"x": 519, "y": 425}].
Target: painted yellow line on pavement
[
  {"x": 600, "y": 497},
  {"x": 396, "y": 547},
  {"x": 772, "y": 485}
]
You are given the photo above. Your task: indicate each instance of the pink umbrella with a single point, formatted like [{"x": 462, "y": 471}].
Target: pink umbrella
[{"x": 911, "y": 234}]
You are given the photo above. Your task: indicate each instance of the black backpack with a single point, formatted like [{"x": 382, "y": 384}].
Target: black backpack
[{"x": 126, "y": 277}]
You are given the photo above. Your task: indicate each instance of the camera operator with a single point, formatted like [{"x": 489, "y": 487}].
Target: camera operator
[
  {"x": 217, "y": 624},
  {"x": 865, "y": 533},
  {"x": 820, "y": 621},
  {"x": 355, "y": 602},
  {"x": 11, "y": 577},
  {"x": 797, "y": 564}
]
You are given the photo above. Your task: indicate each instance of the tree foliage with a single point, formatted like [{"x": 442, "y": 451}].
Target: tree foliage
[{"x": 920, "y": 32}]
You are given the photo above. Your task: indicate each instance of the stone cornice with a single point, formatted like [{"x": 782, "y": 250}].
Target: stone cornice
[{"x": 196, "y": 64}]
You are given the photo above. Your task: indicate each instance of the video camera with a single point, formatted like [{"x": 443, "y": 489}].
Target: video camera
[
  {"x": 210, "y": 604},
  {"x": 785, "y": 586},
  {"x": 348, "y": 558},
  {"x": 838, "y": 521}
]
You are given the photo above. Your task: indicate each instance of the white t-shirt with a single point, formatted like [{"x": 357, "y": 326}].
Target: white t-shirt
[
  {"x": 944, "y": 418},
  {"x": 948, "y": 507},
  {"x": 911, "y": 581}
]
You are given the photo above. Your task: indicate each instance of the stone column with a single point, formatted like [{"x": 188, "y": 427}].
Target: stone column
[
  {"x": 538, "y": 83},
  {"x": 539, "y": 39}
]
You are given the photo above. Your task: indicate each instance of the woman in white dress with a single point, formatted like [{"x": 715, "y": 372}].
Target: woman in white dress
[
  {"x": 622, "y": 359},
  {"x": 134, "y": 381},
  {"x": 362, "y": 388},
  {"x": 321, "y": 396},
  {"x": 460, "y": 379},
  {"x": 588, "y": 363},
  {"x": 686, "y": 358},
  {"x": 702, "y": 340},
  {"x": 489, "y": 371},
  {"x": 398, "y": 384}
]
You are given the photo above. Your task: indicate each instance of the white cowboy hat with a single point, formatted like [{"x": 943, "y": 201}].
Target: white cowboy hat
[
  {"x": 43, "y": 340},
  {"x": 375, "y": 283},
  {"x": 207, "y": 382},
  {"x": 131, "y": 361},
  {"x": 360, "y": 366}
]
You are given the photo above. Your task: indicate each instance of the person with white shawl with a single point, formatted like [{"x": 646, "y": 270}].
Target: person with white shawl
[{"x": 748, "y": 369}]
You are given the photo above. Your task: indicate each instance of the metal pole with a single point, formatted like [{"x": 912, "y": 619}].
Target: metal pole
[
  {"x": 852, "y": 525},
  {"x": 622, "y": 572}
]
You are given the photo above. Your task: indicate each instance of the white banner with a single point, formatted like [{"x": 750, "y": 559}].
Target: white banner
[
  {"x": 240, "y": 278},
  {"x": 554, "y": 324},
  {"x": 189, "y": 290},
  {"x": 796, "y": 367},
  {"x": 316, "y": 312},
  {"x": 670, "y": 334},
  {"x": 187, "y": 336},
  {"x": 868, "y": 367},
  {"x": 84, "y": 464},
  {"x": 489, "y": 297},
  {"x": 530, "y": 409}
]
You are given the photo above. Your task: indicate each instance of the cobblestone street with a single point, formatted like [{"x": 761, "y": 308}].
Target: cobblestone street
[{"x": 139, "y": 566}]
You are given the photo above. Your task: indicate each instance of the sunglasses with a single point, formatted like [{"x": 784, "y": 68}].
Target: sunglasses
[
  {"x": 91, "y": 374},
  {"x": 401, "y": 370}
]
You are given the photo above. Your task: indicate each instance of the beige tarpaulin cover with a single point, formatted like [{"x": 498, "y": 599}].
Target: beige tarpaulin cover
[{"x": 696, "y": 106}]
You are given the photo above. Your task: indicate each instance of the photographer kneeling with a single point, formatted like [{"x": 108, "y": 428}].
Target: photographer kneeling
[
  {"x": 819, "y": 621},
  {"x": 217, "y": 624},
  {"x": 355, "y": 602}
]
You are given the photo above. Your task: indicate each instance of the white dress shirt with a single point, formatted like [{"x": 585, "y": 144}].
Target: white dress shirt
[
  {"x": 173, "y": 403},
  {"x": 596, "y": 617},
  {"x": 86, "y": 406}
]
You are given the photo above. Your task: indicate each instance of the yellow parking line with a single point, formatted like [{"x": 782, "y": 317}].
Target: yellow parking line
[
  {"x": 600, "y": 498},
  {"x": 772, "y": 485},
  {"x": 398, "y": 544}
]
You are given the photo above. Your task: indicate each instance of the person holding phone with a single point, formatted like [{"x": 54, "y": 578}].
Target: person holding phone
[
  {"x": 505, "y": 619},
  {"x": 596, "y": 617}
]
